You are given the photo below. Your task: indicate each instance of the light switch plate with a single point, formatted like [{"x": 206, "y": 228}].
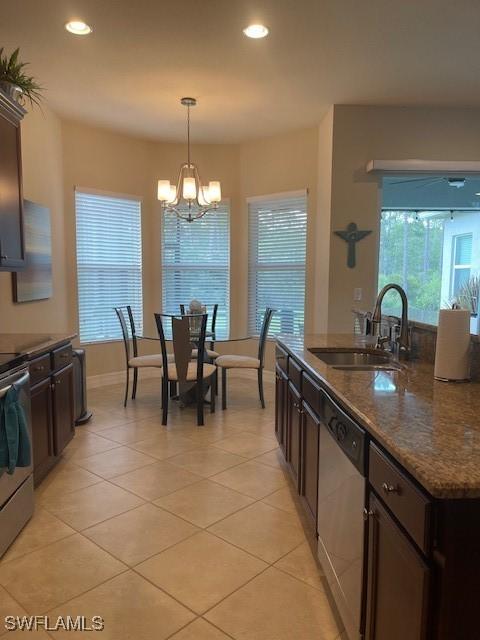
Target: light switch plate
[{"x": 357, "y": 294}]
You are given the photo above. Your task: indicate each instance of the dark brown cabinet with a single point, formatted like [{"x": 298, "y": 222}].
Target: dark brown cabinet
[
  {"x": 53, "y": 421},
  {"x": 12, "y": 250},
  {"x": 280, "y": 413},
  {"x": 294, "y": 430},
  {"x": 398, "y": 581},
  {"x": 63, "y": 418},
  {"x": 42, "y": 431},
  {"x": 310, "y": 440}
]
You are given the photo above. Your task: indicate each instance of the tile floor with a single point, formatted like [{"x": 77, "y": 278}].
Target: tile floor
[{"x": 180, "y": 532}]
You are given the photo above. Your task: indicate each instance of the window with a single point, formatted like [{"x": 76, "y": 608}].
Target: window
[
  {"x": 109, "y": 263},
  {"x": 277, "y": 249},
  {"x": 425, "y": 254},
  {"x": 461, "y": 262},
  {"x": 196, "y": 259}
]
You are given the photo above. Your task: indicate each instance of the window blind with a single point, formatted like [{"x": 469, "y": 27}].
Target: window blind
[
  {"x": 196, "y": 263},
  {"x": 277, "y": 250},
  {"x": 109, "y": 263}
]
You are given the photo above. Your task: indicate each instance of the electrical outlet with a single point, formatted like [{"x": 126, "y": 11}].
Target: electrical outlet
[{"x": 357, "y": 294}]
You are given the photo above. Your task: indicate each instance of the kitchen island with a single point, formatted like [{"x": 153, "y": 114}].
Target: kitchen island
[{"x": 417, "y": 477}]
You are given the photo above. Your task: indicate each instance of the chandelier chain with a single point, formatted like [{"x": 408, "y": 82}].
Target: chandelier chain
[{"x": 188, "y": 134}]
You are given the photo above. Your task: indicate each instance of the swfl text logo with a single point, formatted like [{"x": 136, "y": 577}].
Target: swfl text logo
[{"x": 66, "y": 623}]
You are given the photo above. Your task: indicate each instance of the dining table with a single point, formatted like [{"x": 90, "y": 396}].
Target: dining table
[{"x": 189, "y": 397}]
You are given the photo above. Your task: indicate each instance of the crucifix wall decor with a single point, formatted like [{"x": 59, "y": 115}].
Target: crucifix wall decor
[{"x": 352, "y": 235}]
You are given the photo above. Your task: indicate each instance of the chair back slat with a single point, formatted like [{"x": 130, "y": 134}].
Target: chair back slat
[
  {"x": 163, "y": 341},
  {"x": 123, "y": 325},
  {"x": 264, "y": 333},
  {"x": 182, "y": 346},
  {"x": 183, "y": 341},
  {"x": 133, "y": 332}
]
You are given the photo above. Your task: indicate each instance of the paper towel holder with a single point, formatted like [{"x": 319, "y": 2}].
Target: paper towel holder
[{"x": 454, "y": 307}]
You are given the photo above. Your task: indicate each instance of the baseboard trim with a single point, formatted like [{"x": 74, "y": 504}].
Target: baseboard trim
[{"x": 116, "y": 377}]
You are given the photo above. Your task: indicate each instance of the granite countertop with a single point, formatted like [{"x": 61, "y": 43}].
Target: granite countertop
[
  {"x": 32, "y": 344},
  {"x": 432, "y": 428}
]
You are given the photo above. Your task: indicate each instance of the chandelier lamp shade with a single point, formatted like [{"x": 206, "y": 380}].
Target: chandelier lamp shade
[{"x": 189, "y": 199}]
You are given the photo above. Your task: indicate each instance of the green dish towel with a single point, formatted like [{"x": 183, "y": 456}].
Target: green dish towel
[{"x": 15, "y": 449}]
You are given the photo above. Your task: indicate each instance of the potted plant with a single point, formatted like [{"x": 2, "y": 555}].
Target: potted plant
[
  {"x": 15, "y": 82},
  {"x": 468, "y": 299}
]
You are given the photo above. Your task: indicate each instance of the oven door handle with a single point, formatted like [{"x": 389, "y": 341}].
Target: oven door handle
[
  {"x": 5, "y": 390},
  {"x": 22, "y": 381}
]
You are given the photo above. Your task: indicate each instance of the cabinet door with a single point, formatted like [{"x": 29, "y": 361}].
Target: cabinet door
[
  {"x": 280, "y": 407},
  {"x": 294, "y": 430},
  {"x": 63, "y": 411},
  {"x": 12, "y": 255},
  {"x": 311, "y": 432},
  {"x": 398, "y": 581},
  {"x": 42, "y": 429}
]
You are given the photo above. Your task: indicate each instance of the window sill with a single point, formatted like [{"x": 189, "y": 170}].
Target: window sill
[{"x": 93, "y": 342}]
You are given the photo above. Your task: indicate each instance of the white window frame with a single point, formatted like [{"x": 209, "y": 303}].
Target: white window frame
[
  {"x": 139, "y": 315},
  {"x": 254, "y": 267},
  {"x": 458, "y": 267}
]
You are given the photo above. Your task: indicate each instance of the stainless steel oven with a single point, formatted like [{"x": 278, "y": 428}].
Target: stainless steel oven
[
  {"x": 16, "y": 490},
  {"x": 340, "y": 520}
]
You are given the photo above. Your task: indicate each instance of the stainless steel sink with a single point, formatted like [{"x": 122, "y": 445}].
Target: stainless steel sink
[{"x": 356, "y": 360}]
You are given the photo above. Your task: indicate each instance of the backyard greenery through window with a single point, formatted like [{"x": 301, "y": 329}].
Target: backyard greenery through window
[{"x": 433, "y": 256}]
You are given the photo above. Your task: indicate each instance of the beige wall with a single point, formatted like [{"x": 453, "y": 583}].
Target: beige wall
[
  {"x": 328, "y": 160},
  {"x": 113, "y": 162},
  {"x": 365, "y": 133},
  {"x": 281, "y": 163},
  {"x": 42, "y": 183},
  {"x": 321, "y": 240}
]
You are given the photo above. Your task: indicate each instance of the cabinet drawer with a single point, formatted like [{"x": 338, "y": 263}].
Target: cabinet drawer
[
  {"x": 312, "y": 394},
  {"x": 61, "y": 357},
  {"x": 408, "y": 503},
  {"x": 295, "y": 374},
  {"x": 282, "y": 358},
  {"x": 39, "y": 368}
]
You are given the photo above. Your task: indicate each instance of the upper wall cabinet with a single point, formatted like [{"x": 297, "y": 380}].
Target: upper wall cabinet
[{"x": 12, "y": 248}]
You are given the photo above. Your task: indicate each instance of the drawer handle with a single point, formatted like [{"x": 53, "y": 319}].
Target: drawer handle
[
  {"x": 64, "y": 355},
  {"x": 39, "y": 367},
  {"x": 390, "y": 488},
  {"x": 3, "y": 257}
]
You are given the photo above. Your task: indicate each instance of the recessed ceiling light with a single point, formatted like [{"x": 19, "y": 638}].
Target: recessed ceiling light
[
  {"x": 78, "y": 28},
  {"x": 256, "y": 31},
  {"x": 478, "y": 194}
]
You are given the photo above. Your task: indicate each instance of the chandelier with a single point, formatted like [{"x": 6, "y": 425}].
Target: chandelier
[{"x": 189, "y": 200}]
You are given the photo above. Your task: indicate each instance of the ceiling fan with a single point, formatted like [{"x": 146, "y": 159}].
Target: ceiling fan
[{"x": 425, "y": 181}]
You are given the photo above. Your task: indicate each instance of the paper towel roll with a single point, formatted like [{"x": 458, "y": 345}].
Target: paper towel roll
[{"x": 452, "y": 354}]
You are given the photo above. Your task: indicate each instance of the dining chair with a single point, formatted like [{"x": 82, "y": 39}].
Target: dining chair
[
  {"x": 132, "y": 359},
  {"x": 247, "y": 362},
  {"x": 210, "y": 333},
  {"x": 211, "y": 353},
  {"x": 187, "y": 372}
]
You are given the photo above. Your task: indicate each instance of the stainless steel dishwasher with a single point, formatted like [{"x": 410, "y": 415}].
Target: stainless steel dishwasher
[{"x": 341, "y": 501}]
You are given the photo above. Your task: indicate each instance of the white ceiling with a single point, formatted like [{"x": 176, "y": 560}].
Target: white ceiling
[{"x": 145, "y": 54}]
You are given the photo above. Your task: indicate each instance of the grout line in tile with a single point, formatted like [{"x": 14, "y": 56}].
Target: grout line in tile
[
  {"x": 83, "y": 592},
  {"x": 100, "y": 522},
  {"x": 190, "y": 535},
  {"x": 44, "y": 546},
  {"x": 79, "y": 595}
]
